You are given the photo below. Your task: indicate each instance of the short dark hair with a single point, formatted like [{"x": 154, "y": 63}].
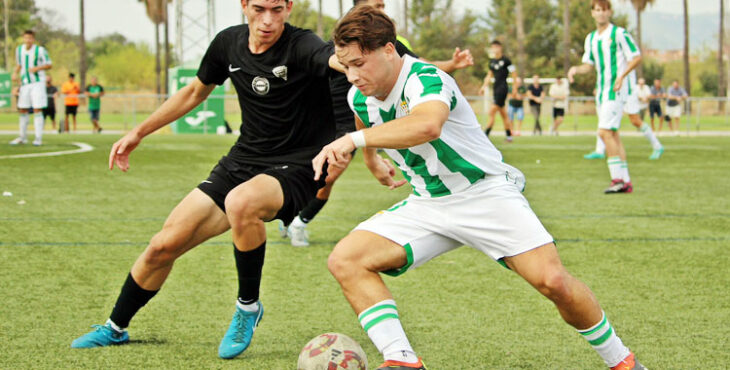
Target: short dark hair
[
  {"x": 29, "y": 32},
  {"x": 604, "y": 4},
  {"x": 366, "y": 26},
  {"x": 358, "y": 2},
  {"x": 496, "y": 42},
  {"x": 71, "y": 74}
]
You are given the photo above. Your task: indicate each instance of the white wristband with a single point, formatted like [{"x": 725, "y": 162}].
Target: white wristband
[{"x": 358, "y": 138}]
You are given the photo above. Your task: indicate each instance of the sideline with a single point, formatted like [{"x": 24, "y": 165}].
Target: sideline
[{"x": 82, "y": 148}]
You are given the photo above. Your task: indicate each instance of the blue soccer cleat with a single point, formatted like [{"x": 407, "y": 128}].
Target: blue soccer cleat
[
  {"x": 102, "y": 336},
  {"x": 594, "y": 155},
  {"x": 656, "y": 154},
  {"x": 240, "y": 332}
]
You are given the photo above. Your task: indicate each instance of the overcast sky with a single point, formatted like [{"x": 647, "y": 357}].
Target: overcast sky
[{"x": 128, "y": 17}]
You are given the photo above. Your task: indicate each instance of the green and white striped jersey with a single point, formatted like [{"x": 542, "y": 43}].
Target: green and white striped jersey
[
  {"x": 610, "y": 53},
  {"x": 461, "y": 156},
  {"x": 28, "y": 58}
]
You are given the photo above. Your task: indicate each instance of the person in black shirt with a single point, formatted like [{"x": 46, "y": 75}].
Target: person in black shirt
[
  {"x": 50, "y": 109},
  {"x": 280, "y": 73},
  {"x": 345, "y": 123},
  {"x": 534, "y": 95},
  {"x": 499, "y": 68}
]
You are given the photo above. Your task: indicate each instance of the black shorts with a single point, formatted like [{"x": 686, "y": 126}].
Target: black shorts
[
  {"x": 49, "y": 111},
  {"x": 655, "y": 110},
  {"x": 500, "y": 96},
  {"x": 297, "y": 183},
  {"x": 558, "y": 112},
  {"x": 71, "y": 109}
]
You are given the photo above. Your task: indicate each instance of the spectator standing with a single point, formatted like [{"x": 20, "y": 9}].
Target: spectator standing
[
  {"x": 516, "y": 108},
  {"x": 559, "y": 92},
  {"x": 655, "y": 103},
  {"x": 95, "y": 92},
  {"x": 71, "y": 91},
  {"x": 644, "y": 93},
  {"x": 675, "y": 96},
  {"x": 50, "y": 109},
  {"x": 535, "y": 95}
]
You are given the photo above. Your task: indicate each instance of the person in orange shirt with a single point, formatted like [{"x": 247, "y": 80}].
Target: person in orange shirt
[{"x": 71, "y": 90}]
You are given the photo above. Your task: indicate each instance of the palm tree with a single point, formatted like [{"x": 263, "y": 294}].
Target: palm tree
[
  {"x": 320, "y": 26},
  {"x": 566, "y": 36},
  {"x": 720, "y": 51},
  {"x": 520, "y": 20},
  {"x": 82, "y": 47},
  {"x": 639, "y": 6},
  {"x": 157, "y": 13},
  {"x": 687, "y": 84}
]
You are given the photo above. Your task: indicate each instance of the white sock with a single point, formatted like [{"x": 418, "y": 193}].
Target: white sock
[
  {"x": 297, "y": 222},
  {"x": 115, "y": 326},
  {"x": 614, "y": 168},
  {"x": 251, "y": 307},
  {"x": 605, "y": 341},
  {"x": 600, "y": 146},
  {"x": 383, "y": 326},
  {"x": 625, "y": 171},
  {"x": 649, "y": 135},
  {"x": 24, "y": 121},
  {"x": 38, "y": 122}
]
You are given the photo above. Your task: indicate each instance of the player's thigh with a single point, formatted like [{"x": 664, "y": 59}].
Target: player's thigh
[
  {"x": 24, "y": 97},
  {"x": 610, "y": 114},
  {"x": 539, "y": 266},
  {"x": 262, "y": 196},
  {"x": 367, "y": 250},
  {"x": 38, "y": 96},
  {"x": 194, "y": 220},
  {"x": 413, "y": 225}
]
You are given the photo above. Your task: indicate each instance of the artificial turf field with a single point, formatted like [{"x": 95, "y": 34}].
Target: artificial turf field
[{"x": 657, "y": 260}]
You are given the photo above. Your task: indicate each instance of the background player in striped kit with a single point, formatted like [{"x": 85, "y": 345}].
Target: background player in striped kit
[
  {"x": 30, "y": 71},
  {"x": 613, "y": 53},
  {"x": 463, "y": 193}
]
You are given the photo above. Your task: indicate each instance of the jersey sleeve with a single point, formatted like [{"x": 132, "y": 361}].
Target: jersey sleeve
[
  {"x": 402, "y": 49},
  {"x": 510, "y": 67},
  {"x": 628, "y": 45},
  {"x": 43, "y": 57},
  {"x": 587, "y": 52},
  {"x": 427, "y": 85},
  {"x": 213, "y": 66},
  {"x": 312, "y": 54}
]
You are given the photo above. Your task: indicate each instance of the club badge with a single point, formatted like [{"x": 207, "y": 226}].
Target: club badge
[
  {"x": 281, "y": 72},
  {"x": 260, "y": 85}
]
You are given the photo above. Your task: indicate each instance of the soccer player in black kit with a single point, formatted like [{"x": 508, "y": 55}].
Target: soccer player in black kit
[
  {"x": 499, "y": 67},
  {"x": 280, "y": 73}
]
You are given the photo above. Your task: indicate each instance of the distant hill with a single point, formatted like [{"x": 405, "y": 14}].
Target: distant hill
[{"x": 664, "y": 31}]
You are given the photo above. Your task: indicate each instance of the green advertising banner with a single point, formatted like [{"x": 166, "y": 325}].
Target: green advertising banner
[
  {"x": 207, "y": 117},
  {"x": 5, "y": 89}
]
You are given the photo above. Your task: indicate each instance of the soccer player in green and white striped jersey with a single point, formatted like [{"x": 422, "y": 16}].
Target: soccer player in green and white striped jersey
[
  {"x": 611, "y": 51},
  {"x": 31, "y": 63},
  {"x": 463, "y": 193}
]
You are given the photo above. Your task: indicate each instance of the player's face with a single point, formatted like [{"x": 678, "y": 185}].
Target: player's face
[
  {"x": 377, "y": 4},
  {"x": 266, "y": 19},
  {"x": 535, "y": 80},
  {"x": 28, "y": 40},
  {"x": 372, "y": 72},
  {"x": 657, "y": 83},
  {"x": 601, "y": 15},
  {"x": 94, "y": 81},
  {"x": 495, "y": 51}
]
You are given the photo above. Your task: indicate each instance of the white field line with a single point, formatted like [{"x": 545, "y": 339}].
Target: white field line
[{"x": 82, "y": 148}]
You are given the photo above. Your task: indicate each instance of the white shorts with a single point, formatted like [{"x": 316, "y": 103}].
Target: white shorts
[
  {"x": 675, "y": 111},
  {"x": 32, "y": 95},
  {"x": 491, "y": 216},
  {"x": 632, "y": 105},
  {"x": 610, "y": 114}
]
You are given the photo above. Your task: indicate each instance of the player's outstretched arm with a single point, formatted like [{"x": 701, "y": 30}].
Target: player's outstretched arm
[
  {"x": 633, "y": 63},
  {"x": 180, "y": 103},
  {"x": 460, "y": 59},
  {"x": 381, "y": 168},
  {"x": 486, "y": 83},
  {"x": 578, "y": 70}
]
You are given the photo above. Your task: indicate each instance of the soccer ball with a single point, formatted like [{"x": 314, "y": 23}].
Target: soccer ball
[{"x": 332, "y": 351}]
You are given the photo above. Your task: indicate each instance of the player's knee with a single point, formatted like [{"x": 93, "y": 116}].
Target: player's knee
[
  {"x": 241, "y": 207},
  {"x": 163, "y": 249},
  {"x": 341, "y": 263},
  {"x": 555, "y": 285}
]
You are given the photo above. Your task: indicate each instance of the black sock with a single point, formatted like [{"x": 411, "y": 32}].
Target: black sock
[
  {"x": 249, "y": 265},
  {"x": 488, "y": 130},
  {"x": 311, "y": 210},
  {"x": 508, "y": 132},
  {"x": 130, "y": 300}
]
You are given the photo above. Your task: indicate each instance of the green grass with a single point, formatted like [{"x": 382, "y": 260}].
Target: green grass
[{"x": 657, "y": 259}]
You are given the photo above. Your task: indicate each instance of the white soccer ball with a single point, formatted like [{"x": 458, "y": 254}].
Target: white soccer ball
[{"x": 332, "y": 351}]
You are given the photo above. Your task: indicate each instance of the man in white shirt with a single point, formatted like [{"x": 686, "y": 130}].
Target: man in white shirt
[{"x": 559, "y": 92}]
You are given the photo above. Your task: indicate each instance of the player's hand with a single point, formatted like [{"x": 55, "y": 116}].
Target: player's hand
[
  {"x": 618, "y": 84},
  {"x": 571, "y": 73},
  {"x": 462, "y": 58},
  {"x": 336, "y": 153},
  {"x": 384, "y": 172},
  {"x": 121, "y": 150}
]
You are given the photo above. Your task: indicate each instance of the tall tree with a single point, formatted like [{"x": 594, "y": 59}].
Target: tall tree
[
  {"x": 720, "y": 53},
  {"x": 342, "y": 10},
  {"x": 566, "y": 36},
  {"x": 639, "y": 6},
  {"x": 157, "y": 13},
  {"x": 320, "y": 26},
  {"x": 82, "y": 47},
  {"x": 6, "y": 30},
  {"x": 687, "y": 82},
  {"x": 520, "y": 23}
]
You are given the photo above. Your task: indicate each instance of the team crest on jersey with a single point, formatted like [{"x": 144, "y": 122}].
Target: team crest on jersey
[
  {"x": 281, "y": 72},
  {"x": 404, "y": 107},
  {"x": 260, "y": 85}
]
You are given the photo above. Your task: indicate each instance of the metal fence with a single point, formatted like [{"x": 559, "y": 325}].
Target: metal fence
[{"x": 124, "y": 111}]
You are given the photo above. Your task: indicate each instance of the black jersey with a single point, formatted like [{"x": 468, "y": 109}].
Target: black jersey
[
  {"x": 286, "y": 108},
  {"x": 501, "y": 69},
  {"x": 339, "y": 87}
]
